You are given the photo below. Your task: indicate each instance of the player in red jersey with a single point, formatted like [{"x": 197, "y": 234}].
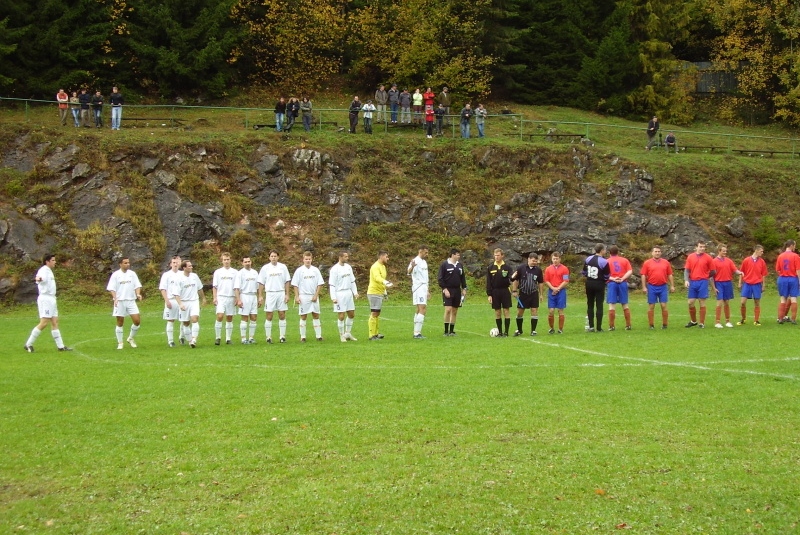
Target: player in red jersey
[
  {"x": 788, "y": 268},
  {"x": 556, "y": 278},
  {"x": 697, "y": 273},
  {"x": 753, "y": 272},
  {"x": 724, "y": 269},
  {"x": 619, "y": 271},
  {"x": 656, "y": 273}
]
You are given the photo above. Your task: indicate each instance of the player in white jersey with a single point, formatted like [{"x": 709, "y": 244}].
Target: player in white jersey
[
  {"x": 344, "y": 292},
  {"x": 125, "y": 290},
  {"x": 420, "y": 290},
  {"x": 48, "y": 307},
  {"x": 307, "y": 282},
  {"x": 248, "y": 301},
  {"x": 190, "y": 297},
  {"x": 273, "y": 292},
  {"x": 225, "y": 293},
  {"x": 168, "y": 287}
]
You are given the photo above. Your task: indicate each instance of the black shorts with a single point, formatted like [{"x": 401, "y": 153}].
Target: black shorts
[
  {"x": 455, "y": 298},
  {"x": 528, "y": 300},
  {"x": 501, "y": 298}
]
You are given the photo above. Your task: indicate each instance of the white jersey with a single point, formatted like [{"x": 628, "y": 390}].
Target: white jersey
[
  {"x": 189, "y": 287},
  {"x": 248, "y": 281},
  {"x": 274, "y": 278},
  {"x": 169, "y": 283},
  {"x": 419, "y": 274},
  {"x": 47, "y": 284},
  {"x": 307, "y": 280},
  {"x": 124, "y": 285},
  {"x": 225, "y": 280},
  {"x": 342, "y": 279}
]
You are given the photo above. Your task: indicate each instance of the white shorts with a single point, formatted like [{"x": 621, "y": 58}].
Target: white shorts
[
  {"x": 171, "y": 314},
  {"x": 307, "y": 306},
  {"x": 344, "y": 302},
  {"x": 420, "y": 295},
  {"x": 47, "y": 306},
  {"x": 249, "y": 305},
  {"x": 275, "y": 301},
  {"x": 127, "y": 307},
  {"x": 192, "y": 309},
  {"x": 226, "y": 304}
]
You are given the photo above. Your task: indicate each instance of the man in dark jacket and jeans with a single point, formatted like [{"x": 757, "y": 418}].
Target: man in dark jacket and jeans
[{"x": 355, "y": 107}]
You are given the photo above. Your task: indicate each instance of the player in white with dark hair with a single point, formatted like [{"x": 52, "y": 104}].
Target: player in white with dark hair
[
  {"x": 274, "y": 279},
  {"x": 307, "y": 282},
  {"x": 344, "y": 292},
  {"x": 225, "y": 295},
  {"x": 48, "y": 307},
  {"x": 125, "y": 290},
  {"x": 190, "y": 291},
  {"x": 168, "y": 288},
  {"x": 248, "y": 301},
  {"x": 420, "y": 290}
]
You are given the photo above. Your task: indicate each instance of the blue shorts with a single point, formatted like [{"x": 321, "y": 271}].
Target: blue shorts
[
  {"x": 698, "y": 289},
  {"x": 657, "y": 294},
  {"x": 751, "y": 291},
  {"x": 787, "y": 286},
  {"x": 724, "y": 290},
  {"x": 617, "y": 293},
  {"x": 558, "y": 300}
]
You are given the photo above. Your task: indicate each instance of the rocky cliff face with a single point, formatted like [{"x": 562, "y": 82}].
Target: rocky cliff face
[{"x": 150, "y": 203}]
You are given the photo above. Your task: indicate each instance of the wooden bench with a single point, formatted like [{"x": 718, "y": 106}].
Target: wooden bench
[
  {"x": 761, "y": 152},
  {"x": 701, "y": 147},
  {"x": 172, "y": 121},
  {"x": 296, "y": 123}
]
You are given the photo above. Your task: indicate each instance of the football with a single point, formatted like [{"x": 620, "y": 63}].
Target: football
[{"x": 494, "y": 333}]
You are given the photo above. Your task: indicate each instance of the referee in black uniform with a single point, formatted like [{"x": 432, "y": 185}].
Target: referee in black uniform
[
  {"x": 498, "y": 288},
  {"x": 527, "y": 283},
  {"x": 453, "y": 281}
]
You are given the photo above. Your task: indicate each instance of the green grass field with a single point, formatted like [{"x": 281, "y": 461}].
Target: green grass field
[{"x": 676, "y": 431}]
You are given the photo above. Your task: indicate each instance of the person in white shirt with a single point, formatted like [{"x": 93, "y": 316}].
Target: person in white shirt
[
  {"x": 48, "y": 307},
  {"x": 190, "y": 297},
  {"x": 420, "y": 290},
  {"x": 344, "y": 292},
  {"x": 248, "y": 301},
  {"x": 307, "y": 282},
  {"x": 168, "y": 288},
  {"x": 273, "y": 293},
  {"x": 125, "y": 290},
  {"x": 225, "y": 296}
]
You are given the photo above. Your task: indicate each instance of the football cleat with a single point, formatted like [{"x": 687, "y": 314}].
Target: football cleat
[
  {"x": 132, "y": 342},
  {"x": 65, "y": 348},
  {"x": 29, "y": 349}
]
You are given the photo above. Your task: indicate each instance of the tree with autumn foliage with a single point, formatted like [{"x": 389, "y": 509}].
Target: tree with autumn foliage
[{"x": 294, "y": 44}]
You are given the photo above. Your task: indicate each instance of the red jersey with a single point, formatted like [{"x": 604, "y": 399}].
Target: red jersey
[
  {"x": 753, "y": 270},
  {"x": 725, "y": 268},
  {"x": 788, "y": 264},
  {"x": 555, "y": 275},
  {"x": 618, "y": 266},
  {"x": 700, "y": 266},
  {"x": 657, "y": 271}
]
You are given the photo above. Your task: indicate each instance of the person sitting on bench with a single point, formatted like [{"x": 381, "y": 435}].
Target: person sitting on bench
[{"x": 670, "y": 143}]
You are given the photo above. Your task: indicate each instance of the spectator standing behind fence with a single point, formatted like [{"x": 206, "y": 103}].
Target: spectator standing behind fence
[
  {"x": 429, "y": 117},
  {"x": 381, "y": 98},
  {"x": 280, "y": 114},
  {"x": 445, "y": 100},
  {"x": 75, "y": 109},
  {"x": 394, "y": 101},
  {"x": 116, "y": 108},
  {"x": 652, "y": 130},
  {"x": 85, "y": 99},
  {"x": 480, "y": 118},
  {"x": 429, "y": 97},
  {"x": 670, "y": 142},
  {"x": 416, "y": 100},
  {"x": 405, "y": 107},
  {"x": 368, "y": 108},
  {"x": 440, "y": 112},
  {"x": 63, "y": 106},
  {"x": 292, "y": 111},
  {"x": 97, "y": 109},
  {"x": 306, "y": 108},
  {"x": 466, "y": 115},
  {"x": 355, "y": 107}
]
